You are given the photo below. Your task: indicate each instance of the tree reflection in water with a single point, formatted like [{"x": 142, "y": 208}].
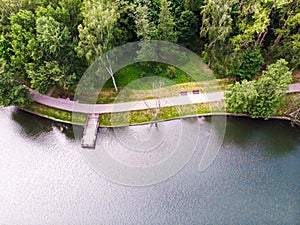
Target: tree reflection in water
[{"x": 34, "y": 126}]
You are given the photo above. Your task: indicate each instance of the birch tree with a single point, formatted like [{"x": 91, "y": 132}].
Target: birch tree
[
  {"x": 217, "y": 27},
  {"x": 255, "y": 21},
  {"x": 98, "y": 32}
]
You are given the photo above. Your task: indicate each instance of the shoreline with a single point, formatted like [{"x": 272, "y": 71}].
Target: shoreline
[
  {"x": 158, "y": 121},
  {"x": 60, "y": 110},
  {"x": 49, "y": 117}
]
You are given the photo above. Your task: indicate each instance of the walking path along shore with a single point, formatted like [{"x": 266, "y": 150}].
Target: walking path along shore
[{"x": 73, "y": 106}]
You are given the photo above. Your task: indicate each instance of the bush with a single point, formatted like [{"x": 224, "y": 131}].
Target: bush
[
  {"x": 158, "y": 70},
  {"x": 260, "y": 97},
  {"x": 171, "y": 72},
  {"x": 142, "y": 74}
]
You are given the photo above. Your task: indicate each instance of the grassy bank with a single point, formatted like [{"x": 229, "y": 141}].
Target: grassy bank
[
  {"x": 167, "y": 113},
  {"x": 129, "y": 118},
  {"x": 56, "y": 113},
  {"x": 145, "y": 116}
]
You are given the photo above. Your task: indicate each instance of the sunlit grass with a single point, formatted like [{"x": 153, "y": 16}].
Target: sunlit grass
[
  {"x": 167, "y": 113},
  {"x": 132, "y": 117},
  {"x": 57, "y": 113}
]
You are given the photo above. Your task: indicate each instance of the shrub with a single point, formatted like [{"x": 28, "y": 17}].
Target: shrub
[{"x": 171, "y": 72}]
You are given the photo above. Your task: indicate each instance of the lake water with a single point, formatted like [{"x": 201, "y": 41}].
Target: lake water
[{"x": 255, "y": 178}]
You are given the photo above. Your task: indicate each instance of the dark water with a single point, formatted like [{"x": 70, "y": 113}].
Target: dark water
[{"x": 44, "y": 179}]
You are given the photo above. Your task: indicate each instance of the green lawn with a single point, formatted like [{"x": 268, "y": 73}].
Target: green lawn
[
  {"x": 139, "y": 76},
  {"x": 135, "y": 82}
]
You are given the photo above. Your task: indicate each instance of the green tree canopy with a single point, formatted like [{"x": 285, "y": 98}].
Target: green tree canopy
[
  {"x": 216, "y": 29},
  {"x": 248, "y": 64},
  {"x": 166, "y": 25},
  {"x": 99, "y": 30},
  {"x": 145, "y": 28},
  {"x": 13, "y": 93},
  {"x": 22, "y": 37},
  {"x": 260, "y": 97},
  {"x": 187, "y": 29}
]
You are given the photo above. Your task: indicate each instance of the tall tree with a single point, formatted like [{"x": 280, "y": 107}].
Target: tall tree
[
  {"x": 217, "y": 27},
  {"x": 51, "y": 67},
  {"x": 40, "y": 49},
  {"x": 12, "y": 92},
  {"x": 286, "y": 44},
  {"x": 248, "y": 64},
  {"x": 254, "y": 22},
  {"x": 241, "y": 97},
  {"x": 73, "y": 7},
  {"x": 22, "y": 37},
  {"x": 10, "y": 7},
  {"x": 187, "y": 29},
  {"x": 166, "y": 25},
  {"x": 145, "y": 28},
  {"x": 216, "y": 21},
  {"x": 99, "y": 31},
  {"x": 163, "y": 30},
  {"x": 193, "y": 5}
]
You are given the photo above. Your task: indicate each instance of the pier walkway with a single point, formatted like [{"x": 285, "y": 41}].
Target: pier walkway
[{"x": 90, "y": 131}]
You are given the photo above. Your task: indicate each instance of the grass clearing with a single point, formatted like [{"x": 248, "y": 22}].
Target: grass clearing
[
  {"x": 135, "y": 83},
  {"x": 132, "y": 75}
]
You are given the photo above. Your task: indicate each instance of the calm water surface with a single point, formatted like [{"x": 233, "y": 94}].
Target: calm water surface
[{"x": 255, "y": 179}]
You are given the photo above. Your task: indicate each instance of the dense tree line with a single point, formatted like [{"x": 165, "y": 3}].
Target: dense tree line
[{"x": 51, "y": 43}]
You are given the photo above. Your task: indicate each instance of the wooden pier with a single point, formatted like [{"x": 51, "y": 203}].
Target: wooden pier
[{"x": 90, "y": 131}]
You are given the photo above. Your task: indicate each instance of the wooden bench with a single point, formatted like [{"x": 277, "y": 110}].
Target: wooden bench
[{"x": 183, "y": 93}]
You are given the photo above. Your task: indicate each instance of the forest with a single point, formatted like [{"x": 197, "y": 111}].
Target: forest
[{"x": 51, "y": 43}]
